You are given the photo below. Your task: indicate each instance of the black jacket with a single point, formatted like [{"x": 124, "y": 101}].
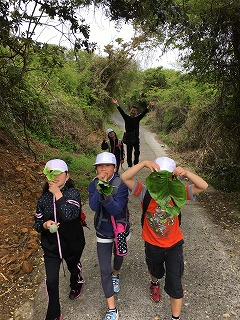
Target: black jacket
[
  {"x": 132, "y": 123},
  {"x": 70, "y": 230},
  {"x": 115, "y": 147}
]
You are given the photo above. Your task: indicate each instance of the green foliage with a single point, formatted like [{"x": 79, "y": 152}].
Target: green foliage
[
  {"x": 53, "y": 228},
  {"x": 174, "y": 101},
  {"x": 224, "y": 176},
  {"x": 63, "y": 97},
  {"x": 164, "y": 187},
  {"x": 50, "y": 174},
  {"x": 154, "y": 78},
  {"x": 146, "y": 82},
  {"x": 104, "y": 188}
]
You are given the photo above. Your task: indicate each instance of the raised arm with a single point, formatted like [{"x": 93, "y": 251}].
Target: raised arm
[
  {"x": 128, "y": 177},
  {"x": 114, "y": 101},
  {"x": 122, "y": 112},
  {"x": 151, "y": 104},
  {"x": 199, "y": 184}
]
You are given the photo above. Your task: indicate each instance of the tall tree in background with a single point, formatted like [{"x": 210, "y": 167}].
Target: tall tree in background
[{"x": 208, "y": 35}]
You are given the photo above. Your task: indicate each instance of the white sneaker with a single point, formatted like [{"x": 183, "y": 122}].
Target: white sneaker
[{"x": 111, "y": 315}]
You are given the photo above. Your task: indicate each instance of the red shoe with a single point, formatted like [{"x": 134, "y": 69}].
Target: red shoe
[{"x": 155, "y": 292}]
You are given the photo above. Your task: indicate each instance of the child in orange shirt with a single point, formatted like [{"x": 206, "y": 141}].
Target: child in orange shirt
[{"x": 163, "y": 238}]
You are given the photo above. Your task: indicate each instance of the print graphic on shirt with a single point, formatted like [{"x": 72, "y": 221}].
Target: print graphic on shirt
[{"x": 161, "y": 222}]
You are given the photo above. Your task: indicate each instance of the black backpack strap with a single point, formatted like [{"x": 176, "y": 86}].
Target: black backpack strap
[
  {"x": 146, "y": 200},
  {"x": 116, "y": 183},
  {"x": 180, "y": 218},
  {"x": 179, "y": 215}
]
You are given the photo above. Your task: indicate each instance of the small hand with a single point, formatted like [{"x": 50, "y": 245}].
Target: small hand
[
  {"x": 115, "y": 101},
  {"x": 152, "y": 104},
  {"x": 103, "y": 176},
  {"x": 47, "y": 224},
  {"x": 53, "y": 187},
  {"x": 180, "y": 172},
  {"x": 153, "y": 166}
]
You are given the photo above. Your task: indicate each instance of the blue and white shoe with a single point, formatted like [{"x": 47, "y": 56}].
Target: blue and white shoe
[
  {"x": 116, "y": 283},
  {"x": 111, "y": 315}
]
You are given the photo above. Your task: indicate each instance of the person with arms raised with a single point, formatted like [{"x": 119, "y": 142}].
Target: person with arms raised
[{"x": 131, "y": 135}]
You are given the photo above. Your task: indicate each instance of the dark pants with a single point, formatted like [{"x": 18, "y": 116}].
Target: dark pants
[
  {"x": 104, "y": 251},
  {"x": 136, "y": 147},
  {"x": 158, "y": 259},
  {"x": 52, "y": 266}
]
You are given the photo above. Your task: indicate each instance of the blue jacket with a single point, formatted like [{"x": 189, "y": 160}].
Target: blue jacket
[{"x": 116, "y": 205}]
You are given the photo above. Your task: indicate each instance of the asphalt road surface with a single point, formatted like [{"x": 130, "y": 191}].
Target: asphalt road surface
[{"x": 211, "y": 278}]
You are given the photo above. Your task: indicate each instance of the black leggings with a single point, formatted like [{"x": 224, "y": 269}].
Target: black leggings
[
  {"x": 52, "y": 266},
  {"x": 104, "y": 251}
]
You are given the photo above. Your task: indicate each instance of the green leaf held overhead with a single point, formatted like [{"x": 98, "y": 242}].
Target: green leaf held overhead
[{"x": 164, "y": 187}]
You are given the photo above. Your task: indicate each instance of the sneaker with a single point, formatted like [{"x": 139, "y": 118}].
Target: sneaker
[
  {"x": 155, "y": 292},
  {"x": 75, "y": 293},
  {"x": 116, "y": 284},
  {"x": 111, "y": 315},
  {"x": 60, "y": 318}
]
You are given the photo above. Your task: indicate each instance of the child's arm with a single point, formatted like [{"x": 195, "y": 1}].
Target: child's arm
[
  {"x": 128, "y": 175},
  {"x": 199, "y": 184}
]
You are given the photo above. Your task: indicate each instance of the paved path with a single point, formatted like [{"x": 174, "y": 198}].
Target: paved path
[{"x": 211, "y": 278}]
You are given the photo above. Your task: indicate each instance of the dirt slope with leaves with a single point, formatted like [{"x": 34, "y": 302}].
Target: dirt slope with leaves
[{"x": 20, "y": 186}]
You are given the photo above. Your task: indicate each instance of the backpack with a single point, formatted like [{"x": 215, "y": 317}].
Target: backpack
[
  {"x": 146, "y": 200},
  {"x": 82, "y": 217}
]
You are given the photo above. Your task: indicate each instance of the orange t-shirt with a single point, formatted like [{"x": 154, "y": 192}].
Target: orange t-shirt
[{"x": 159, "y": 228}]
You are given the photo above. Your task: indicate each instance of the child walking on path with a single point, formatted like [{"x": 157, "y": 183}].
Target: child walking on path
[
  {"x": 57, "y": 218},
  {"x": 113, "y": 145},
  {"x": 161, "y": 231},
  {"x": 106, "y": 206}
]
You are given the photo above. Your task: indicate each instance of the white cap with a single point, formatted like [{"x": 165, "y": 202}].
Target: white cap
[
  {"x": 166, "y": 163},
  {"x": 106, "y": 157},
  {"x": 108, "y": 131},
  {"x": 57, "y": 164}
]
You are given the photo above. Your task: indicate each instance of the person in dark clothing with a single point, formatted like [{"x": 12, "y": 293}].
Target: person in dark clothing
[
  {"x": 132, "y": 129},
  {"x": 113, "y": 145},
  {"x": 59, "y": 208}
]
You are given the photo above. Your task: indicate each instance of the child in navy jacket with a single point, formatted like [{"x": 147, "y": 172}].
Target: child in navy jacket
[{"x": 104, "y": 206}]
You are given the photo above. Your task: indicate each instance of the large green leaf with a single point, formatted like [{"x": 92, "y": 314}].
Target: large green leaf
[
  {"x": 50, "y": 174},
  {"x": 104, "y": 188},
  {"x": 163, "y": 187}
]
